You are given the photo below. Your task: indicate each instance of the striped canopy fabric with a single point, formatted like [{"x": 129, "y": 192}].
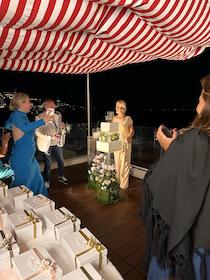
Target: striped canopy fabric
[{"x": 84, "y": 36}]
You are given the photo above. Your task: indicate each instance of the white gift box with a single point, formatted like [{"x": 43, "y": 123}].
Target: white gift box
[
  {"x": 36, "y": 264},
  {"x": 108, "y": 147},
  {"x": 40, "y": 204},
  {"x": 43, "y": 142},
  {"x": 25, "y": 225},
  {"x": 18, "y": 194},
  {"x": 85, "y": 248},
  {"x": 109, "y": 126},
  {"x": 8, "y": 249},
  {"x": 60, "y": 222},
  {"x": 3, "y": 189},
  {"x": 85, "y": 272},
  {"x": 3, "y": 216}
]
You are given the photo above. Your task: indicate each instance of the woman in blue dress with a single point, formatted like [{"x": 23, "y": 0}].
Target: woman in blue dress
[
  {"x": 22, "y": 159},
  {"x": 176, "y": 204}
]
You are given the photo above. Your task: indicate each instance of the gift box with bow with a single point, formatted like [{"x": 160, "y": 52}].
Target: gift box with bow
[
  {"x": 61, "y": 221},
  {"x": 40, "y": 204},
  {"x": 36, "y": 264},
  {"x": 85, "y": 248},
  {"x": 25, "y": 225},
  {"x": 8, "y": 249},
  {"x": 85, "y": 272},
  {"x": 18, "y": 194}
]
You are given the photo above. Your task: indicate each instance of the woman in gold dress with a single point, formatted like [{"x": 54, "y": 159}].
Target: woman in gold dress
[{"x": 123, "y": 157}]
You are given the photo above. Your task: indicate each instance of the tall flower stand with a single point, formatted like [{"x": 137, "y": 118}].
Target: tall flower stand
[{"x": 102, "y": 174}]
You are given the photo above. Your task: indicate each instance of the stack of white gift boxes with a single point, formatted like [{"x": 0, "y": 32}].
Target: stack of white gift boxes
[
  {"x": 25, "y": 218},
  {"x": 109, "y": 141}
]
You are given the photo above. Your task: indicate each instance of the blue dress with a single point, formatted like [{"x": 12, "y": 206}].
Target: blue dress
[{"x": 23, "y": 162}]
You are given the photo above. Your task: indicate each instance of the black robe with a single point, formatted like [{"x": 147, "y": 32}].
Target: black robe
[{"x": 176, "y": 206}]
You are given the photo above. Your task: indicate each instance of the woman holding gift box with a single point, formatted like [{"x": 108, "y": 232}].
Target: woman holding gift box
[
  {"x": 22, "y": 159},
  {"x": 123, "y": 157}
]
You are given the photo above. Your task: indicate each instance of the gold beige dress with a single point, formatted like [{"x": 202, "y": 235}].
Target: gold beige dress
[{"x": 123, "y": 157}]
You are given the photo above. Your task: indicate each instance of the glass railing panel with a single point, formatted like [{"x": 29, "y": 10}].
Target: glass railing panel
[
  {"x": 75, "y": 144},
  {"x": 145, "y": 149},
  {"x": 76, "y": 141}
]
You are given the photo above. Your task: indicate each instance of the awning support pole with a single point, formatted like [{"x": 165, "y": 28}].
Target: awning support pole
[{"x": 88, "y": 117}]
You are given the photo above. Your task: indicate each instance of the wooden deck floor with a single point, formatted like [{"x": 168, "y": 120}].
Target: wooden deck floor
[{"x": 119, "y": 227}]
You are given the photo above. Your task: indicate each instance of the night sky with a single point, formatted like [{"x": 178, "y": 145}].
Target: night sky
[{"x": 157, "y": 84}]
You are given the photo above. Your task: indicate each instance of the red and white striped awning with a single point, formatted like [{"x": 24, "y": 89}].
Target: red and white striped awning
[{"x": 84, "y": 36}]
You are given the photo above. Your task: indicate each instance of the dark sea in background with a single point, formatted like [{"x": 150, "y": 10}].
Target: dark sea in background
[
  {"x": 153, "y": 118},
  {"x": 172, "y": 119}
]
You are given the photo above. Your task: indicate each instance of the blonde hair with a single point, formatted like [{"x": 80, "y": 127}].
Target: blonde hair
[
  {"x": 17, "y": 100},
  {"x": 122, "y": 103}
]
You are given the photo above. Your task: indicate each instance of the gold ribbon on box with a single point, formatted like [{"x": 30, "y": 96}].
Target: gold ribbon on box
[
  {"x": 23, "y": 190},
  {"x": 67, "y": 216},
  {"x": 86, "y": 273},
  {"x": 6, "y": 243},
  {"x": 44, "y": 199},
  {"x": 45, "y": 265},
  {"x": 1, "y": 219},
  {"x": 92, "y": 243},
  {"x": 4, "y": 186},
  {"x": 31, "y": 218}
]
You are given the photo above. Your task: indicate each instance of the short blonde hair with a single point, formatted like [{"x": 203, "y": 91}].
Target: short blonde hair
[
  {"x": 120, "y": 103},
  {"x": 17, "y": 100}
]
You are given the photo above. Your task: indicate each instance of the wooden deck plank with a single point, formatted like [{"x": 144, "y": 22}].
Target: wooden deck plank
[{"x": 119, "y": 227}]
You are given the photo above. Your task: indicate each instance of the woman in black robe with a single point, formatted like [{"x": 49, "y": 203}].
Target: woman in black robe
[{"x": 176, "y": 206}]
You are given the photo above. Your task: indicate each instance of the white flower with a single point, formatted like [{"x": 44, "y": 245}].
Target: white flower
[
  {"x": 103, "y": 174},
  {"x": 112, "y": 167}
]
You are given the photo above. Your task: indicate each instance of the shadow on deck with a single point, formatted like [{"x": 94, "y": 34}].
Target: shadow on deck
[{"x": 119, "y": 227}]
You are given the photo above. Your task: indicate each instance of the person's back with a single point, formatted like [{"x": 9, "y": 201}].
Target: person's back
[{"x": 177, "y": 201}]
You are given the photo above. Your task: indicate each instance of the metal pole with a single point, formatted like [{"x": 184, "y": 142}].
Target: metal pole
[
  {"x": 88, "y": 116},
  {"x": 88, "y": 103}
]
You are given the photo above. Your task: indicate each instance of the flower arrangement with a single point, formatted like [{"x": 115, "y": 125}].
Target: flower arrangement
[
  {"x": 108, "y": 136},
  {"x": 102, "y": 177}
]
